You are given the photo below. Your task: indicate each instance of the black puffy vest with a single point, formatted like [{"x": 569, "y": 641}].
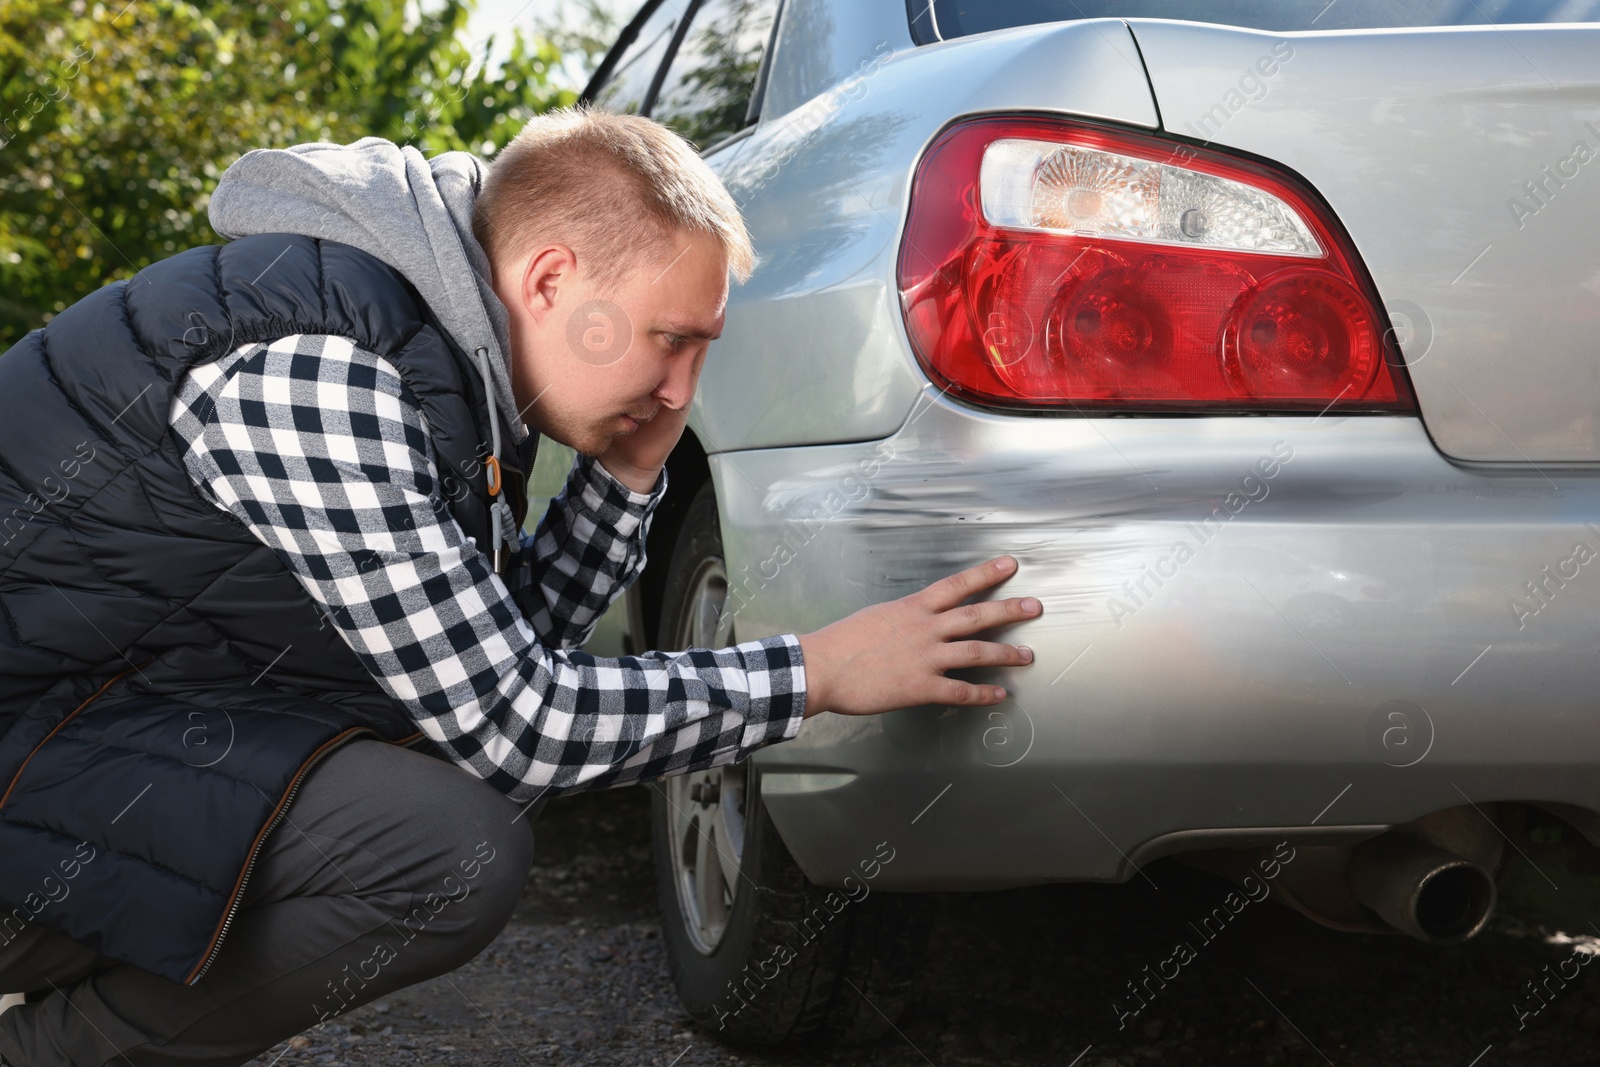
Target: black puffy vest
[{"x": 165, "y": 681}]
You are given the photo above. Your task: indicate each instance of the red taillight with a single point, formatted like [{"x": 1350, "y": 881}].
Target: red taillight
[{"x": 1051, "y": 263}]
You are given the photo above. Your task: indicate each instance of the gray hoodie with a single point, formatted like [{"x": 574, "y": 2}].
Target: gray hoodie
[{"x": 413, "y": 213}]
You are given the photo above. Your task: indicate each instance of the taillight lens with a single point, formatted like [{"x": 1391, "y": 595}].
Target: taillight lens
[{"x": 1053, "y": 263}]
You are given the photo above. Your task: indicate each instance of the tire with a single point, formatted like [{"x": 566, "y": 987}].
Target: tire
[{"x": 758, "y": 954}]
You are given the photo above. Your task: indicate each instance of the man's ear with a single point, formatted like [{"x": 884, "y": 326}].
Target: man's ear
[{"x": 544, "y": 275}]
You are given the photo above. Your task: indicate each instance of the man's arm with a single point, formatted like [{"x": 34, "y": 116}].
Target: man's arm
[
  {"x": 589, "y": 548},
  {"x": 356, "y": 514}
]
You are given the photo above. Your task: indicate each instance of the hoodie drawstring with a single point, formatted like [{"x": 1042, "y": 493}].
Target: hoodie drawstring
[{"x": 501, "y": 521}]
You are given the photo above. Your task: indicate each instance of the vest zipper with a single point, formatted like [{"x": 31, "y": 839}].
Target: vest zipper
[
  {"x": 272, "y": 824},
  {"x": 62, "y": 725}
]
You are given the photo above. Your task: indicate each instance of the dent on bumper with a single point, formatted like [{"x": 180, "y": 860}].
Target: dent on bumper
[{"x": 1248, "y": 623}]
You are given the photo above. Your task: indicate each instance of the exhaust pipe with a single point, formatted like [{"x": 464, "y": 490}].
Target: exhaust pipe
[{"x": 1434, "y": 895}]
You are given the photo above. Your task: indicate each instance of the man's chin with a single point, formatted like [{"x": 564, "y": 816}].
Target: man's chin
[
  {"x": 596, "y": 446},
  {"x": 592, "y": 444}
]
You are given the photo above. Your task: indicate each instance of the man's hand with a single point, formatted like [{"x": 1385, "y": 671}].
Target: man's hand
[
  {"x": 893, "y": 655},
  {"x": 637, "y": 458}
]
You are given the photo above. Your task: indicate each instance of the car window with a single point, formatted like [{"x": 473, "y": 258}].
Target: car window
[
  {"x": 629, "y": 81},
  {"x": 707, "y": 90},
  {"x": 957, "y": 18}
]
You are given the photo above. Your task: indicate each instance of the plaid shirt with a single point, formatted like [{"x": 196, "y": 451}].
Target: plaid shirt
[{"x": 321, "y": 450}]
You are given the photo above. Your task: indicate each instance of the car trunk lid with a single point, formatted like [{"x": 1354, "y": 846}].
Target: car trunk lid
[{"x": 1465, "y": 164}]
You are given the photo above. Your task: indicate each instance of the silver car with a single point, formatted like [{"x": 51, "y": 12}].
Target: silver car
[{"x": 1262, "y": 333}]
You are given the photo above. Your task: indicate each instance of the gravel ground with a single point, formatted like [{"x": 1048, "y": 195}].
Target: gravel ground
[{"x": 1020, "y": 977}]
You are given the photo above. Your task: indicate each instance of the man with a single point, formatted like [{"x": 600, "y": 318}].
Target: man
[{"x": 259, "y": 510}]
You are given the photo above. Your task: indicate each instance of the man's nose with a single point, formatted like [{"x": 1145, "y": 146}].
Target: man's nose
[{"x": 678, "y": 388}]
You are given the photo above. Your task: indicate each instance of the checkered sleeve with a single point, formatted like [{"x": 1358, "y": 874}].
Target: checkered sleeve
[
  {"x": 587, "y": 551},
  {"x": 321, "y": 450}
]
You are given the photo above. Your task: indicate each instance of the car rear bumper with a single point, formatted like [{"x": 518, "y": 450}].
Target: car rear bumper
[{"x": 1347, "y": 638}]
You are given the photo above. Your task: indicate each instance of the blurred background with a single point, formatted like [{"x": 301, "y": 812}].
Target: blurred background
[{"x": 117, "y": 118}]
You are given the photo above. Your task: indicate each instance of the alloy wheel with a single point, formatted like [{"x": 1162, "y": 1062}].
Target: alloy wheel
[{"x": 707, "y": 807}]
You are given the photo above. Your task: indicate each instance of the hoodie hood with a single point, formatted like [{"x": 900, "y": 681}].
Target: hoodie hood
[{"x": 413, "y": 213}]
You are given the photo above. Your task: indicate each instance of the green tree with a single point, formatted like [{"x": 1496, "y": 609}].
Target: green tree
[
  {"x": 586, "y": 37},
  {"x": 116, "y": 121}
]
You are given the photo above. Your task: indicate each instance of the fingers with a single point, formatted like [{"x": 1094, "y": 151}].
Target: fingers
[
  {"x": 953, "y": 618},
  {"x": 970, "y": 618},
  {"x": 958, "y": 654},
  {"x": 966, "y": 694},
  {"x": 946, "y": 593}
]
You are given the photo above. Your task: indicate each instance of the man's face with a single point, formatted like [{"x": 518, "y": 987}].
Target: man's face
[{"x": 583, "y": 357}]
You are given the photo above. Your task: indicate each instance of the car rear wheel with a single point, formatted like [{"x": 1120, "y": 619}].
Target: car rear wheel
[{"x": 757, "y": 952}]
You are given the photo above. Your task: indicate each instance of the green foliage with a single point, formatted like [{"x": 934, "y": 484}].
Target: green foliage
[
  {"x": 588, "y": 36},
  {"x": 115, "y": 121}
]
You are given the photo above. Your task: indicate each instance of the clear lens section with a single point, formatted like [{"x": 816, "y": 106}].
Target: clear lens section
[{"x": 1042, "y": 185}]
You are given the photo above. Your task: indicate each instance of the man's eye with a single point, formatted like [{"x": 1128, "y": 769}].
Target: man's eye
[{"x": 675, "y": 342}]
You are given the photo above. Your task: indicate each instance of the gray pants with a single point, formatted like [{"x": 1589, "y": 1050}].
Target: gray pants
[{"x": 392, "y": 867}]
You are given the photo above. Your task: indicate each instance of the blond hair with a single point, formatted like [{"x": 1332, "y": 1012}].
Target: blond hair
[{"x": 616, "y": 188}]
